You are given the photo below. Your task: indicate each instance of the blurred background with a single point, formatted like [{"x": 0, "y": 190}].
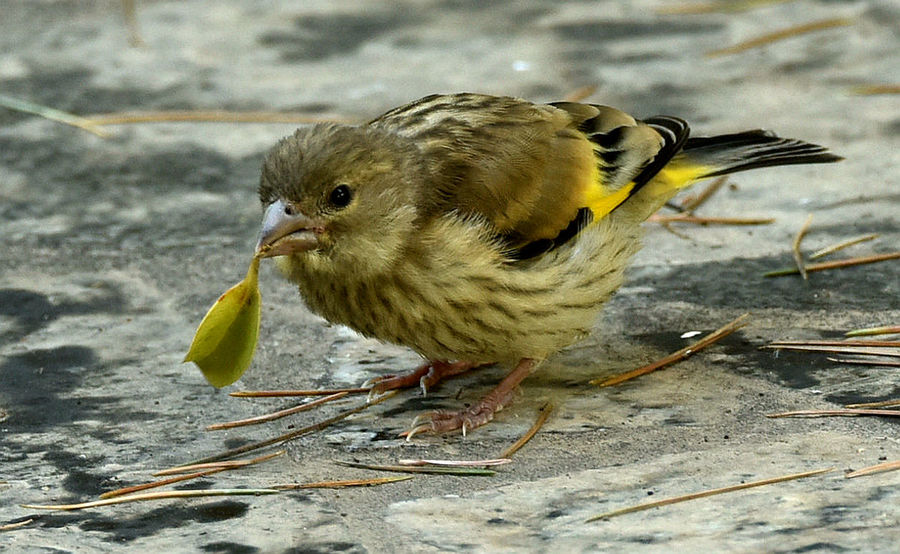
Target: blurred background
[{"x": 131, "y": 134}]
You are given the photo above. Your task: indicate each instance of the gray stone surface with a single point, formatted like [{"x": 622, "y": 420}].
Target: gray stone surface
[{"x": 112, "y": 250}]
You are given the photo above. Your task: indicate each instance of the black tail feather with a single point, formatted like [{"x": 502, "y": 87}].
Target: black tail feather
[{"x": 752, "y": 149}]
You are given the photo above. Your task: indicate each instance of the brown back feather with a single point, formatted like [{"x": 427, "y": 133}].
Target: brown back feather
[{"x": 524, "y": 168}]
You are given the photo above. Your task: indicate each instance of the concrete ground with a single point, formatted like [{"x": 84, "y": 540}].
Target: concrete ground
[{"x": 113, "y": 248}]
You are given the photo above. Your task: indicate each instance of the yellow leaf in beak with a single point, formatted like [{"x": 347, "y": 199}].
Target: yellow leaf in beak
[{"x": 226, "y": 338}]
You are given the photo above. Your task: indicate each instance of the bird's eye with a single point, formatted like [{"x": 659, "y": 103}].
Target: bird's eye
[{"x": 340, "y": 197}]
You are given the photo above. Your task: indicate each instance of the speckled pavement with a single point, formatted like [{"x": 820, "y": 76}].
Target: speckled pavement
[{"x": 113, "y": 248}]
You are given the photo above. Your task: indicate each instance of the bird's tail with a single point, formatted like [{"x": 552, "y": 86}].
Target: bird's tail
[
  {"x": 724, "y": 154},
  {"x": 704, "y": 157}
]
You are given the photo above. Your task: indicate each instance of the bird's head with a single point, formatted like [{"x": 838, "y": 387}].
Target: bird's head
[{"x": 338, "y": 194}]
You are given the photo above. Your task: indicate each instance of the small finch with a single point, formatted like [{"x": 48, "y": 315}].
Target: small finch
[{"x": 478, "y": 229}]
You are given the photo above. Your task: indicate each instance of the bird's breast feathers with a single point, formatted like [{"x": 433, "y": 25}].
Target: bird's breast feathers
[{"x": 453, "y": 295}]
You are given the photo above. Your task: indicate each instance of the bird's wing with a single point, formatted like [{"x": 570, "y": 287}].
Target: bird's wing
[
  {"x": 630, "y": 152},
  {"x": 536, "y": 172}
]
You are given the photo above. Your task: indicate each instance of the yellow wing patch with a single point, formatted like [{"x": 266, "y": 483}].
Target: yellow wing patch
[
  {"x": 681, "y": 173},
  {"x": 601, "y": 202},
  {"x": 675, "y": 176}
]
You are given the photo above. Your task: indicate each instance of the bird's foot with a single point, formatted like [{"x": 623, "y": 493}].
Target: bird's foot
[
  {"x": 426, "y": 376},
  {"x": 442, "y": 421}
]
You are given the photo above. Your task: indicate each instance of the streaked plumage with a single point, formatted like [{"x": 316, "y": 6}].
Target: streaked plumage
[{"x": 478, "y": 228}]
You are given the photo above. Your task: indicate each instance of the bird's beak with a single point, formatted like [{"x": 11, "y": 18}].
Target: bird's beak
[{"x": 286, "y": 230}]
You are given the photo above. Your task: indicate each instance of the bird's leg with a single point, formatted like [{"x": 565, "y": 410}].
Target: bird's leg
[
  {"x": 426, "y": 376},
  {"x": 441, "y": 421}
]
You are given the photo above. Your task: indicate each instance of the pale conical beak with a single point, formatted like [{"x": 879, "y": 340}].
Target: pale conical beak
[{"x": 285, "y": 230}]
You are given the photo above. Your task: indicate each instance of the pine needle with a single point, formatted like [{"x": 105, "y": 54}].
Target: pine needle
[
  {"x": 129, "y": 11},
  {"x": 209, "y": 116},
  {"x": 871, "y": 90},
  {"x": 858, "y": 350},
  {"x": 161, "y": 482},
  {"x": 343, "y": 484},
  {"x": 841, "y": 245},
  {"x": 711, "y": 492},
  {"x": 279, "y": 393},
  {"x": 52, "y": 114},
  {"x": 439, "y": 470},
  {"x": 160, "y": 495},
  {"x": 873, "y": 331},
  {"x": 791, "y": 32},
  {"x": 857, "y": 347},
  {"x": 866, "y": 361},
  {"x": 691, "y": 203},
  {"x": 543, "y": 414},
  {"x": 682, "y": 354},
  {"x": 16, "y": 525},
  {"x": 456, "y": 463},
  {"x": 795, "y": 247},
  {"x": 233, "y": 464},
  {"x": 879, "y": 468},
  {"x": 875, "y": 343},
  {"x": 698, "y": 220},
  {"x": 276, "y": 415},
  {"x": 205, "y": 469},
  {"x": 720, "y": 6},
  {"x": 846, "y": 412},
  {"x": 668, "y": 227},
  {"x": 835, "y": 264},
  {"x": 286, "y": 437},
  {"x": 580, "y": 93},
  {"x": 881, "y": 404}
]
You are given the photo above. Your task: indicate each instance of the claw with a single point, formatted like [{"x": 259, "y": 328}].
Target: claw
[
  {"x": 415, "y": 431},
  {"x": 373, "y": 395},
  {"x": 419, "y": 419},
  {"x": 375, "y": 391},
  {"x": 373, "y": 381}
]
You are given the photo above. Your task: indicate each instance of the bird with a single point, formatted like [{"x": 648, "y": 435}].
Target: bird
[{"x": 479, "y": 229}]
